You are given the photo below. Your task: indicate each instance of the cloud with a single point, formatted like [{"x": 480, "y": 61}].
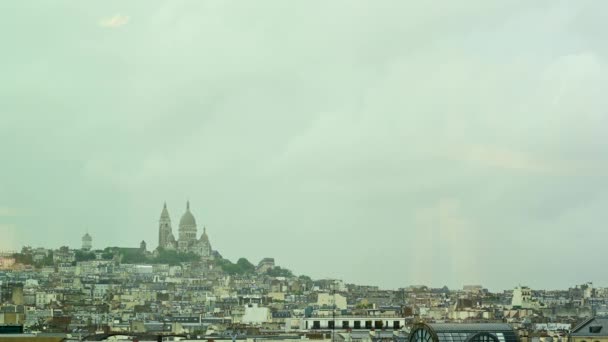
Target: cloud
[
  {"x": 429, "y": 125},
  {"x": 9, "y": 212},
  {"x": 9, "y": 237},
  {"x": 445, "y": 227},
  {"x": 505, "y": 158},
  {"x": 115, "y": 21},
  {"x": 515, "y": 160}
]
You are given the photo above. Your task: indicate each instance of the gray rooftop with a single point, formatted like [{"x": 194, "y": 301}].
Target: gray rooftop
[{"x": 592, "y": 327}]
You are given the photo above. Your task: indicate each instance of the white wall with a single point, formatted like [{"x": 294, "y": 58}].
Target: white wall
[
  {"x": 256, "y": 315},
  {"x": 329, "y": 300}
]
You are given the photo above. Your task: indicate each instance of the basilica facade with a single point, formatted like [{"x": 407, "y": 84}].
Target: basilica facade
[{"x": 187, "y": 241}]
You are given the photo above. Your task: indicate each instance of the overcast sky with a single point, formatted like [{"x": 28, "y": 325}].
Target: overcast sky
[{"x": 379, "y": 142}]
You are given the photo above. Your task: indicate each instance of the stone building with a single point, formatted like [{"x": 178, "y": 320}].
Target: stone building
[
  {"x": 187, "y": 241},
  {"x": 87, "y": 242}
]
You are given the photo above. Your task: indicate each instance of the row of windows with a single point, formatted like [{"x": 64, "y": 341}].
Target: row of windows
[{"x": 356, "y": 325}]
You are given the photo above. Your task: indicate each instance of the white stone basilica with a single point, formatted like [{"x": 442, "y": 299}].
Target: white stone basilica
[{"x": 187, "y": 241}]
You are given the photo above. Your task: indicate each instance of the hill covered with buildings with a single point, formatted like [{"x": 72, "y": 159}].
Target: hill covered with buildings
[{"x": 183, "y": 285}]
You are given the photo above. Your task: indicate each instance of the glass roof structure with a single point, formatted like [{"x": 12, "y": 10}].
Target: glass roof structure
[{"x": 448, "y": 332}]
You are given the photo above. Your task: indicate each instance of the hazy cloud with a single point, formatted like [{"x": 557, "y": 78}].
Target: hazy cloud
[
  {"x": 506, "y": 158},
  {"x": 448, "y": 143},
  {"x": 10, "y": 212},
  {"x": 9, "y": 234},
  {"x": 115, "y": 21}
]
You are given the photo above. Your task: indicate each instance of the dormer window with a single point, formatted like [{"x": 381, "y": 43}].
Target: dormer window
[{"x": 595, "y": 329}]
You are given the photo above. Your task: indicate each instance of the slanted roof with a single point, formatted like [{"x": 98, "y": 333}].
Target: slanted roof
[{"x": 592, "y": 327}]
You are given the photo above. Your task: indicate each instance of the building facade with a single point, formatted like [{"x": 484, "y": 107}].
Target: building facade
[
  {"x": 87, "y": 242},
  {"x": 523, "y": 299},
  {"x": 353, "y": 323}
]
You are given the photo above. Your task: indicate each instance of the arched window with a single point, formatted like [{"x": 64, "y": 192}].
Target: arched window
[
  {"x": 483, "y": 337},
  {"x": 421, "y": 333}
]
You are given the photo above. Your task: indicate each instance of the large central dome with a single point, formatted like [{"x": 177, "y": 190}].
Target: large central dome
[{"x": 187, "y": 219}]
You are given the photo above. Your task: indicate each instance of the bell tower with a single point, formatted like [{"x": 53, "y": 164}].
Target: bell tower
[{"x": 164, "y": 228}]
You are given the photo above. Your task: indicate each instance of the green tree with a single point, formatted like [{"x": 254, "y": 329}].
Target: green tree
[
  {"x": 242, "y": 266},
  {"x": 48, "y": 260},
  {"x": 173, "y": 258},
  {"x": 22, "y": 258},
  {"x": 84, "y": 256},
  {"x": 132, "y": 256},
  {"x": 277, "y": 271},
  {"x": 107, "y": 255},
  {"x": 305, "y": 278},
  {"x": 245, "y": 266}
]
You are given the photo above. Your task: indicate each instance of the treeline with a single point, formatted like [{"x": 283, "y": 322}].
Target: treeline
[
  {"x": 123, "y": 255},
  {"x": 137, "y": 256},
  {"x": 277, "y": 271},
  {"x": 28, "y": 259},
  {"x": 85, "y": 256},
  {"x": 243, "y": 266},
  {"x": 173, "y": 258},
  {"x": 162, "y": 256}
]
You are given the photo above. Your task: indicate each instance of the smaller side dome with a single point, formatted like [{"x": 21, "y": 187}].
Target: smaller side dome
[{"x": 204, "y": 236}]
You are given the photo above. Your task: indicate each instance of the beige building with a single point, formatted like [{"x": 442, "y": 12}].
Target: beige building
[{"x": 331, "y": 300}]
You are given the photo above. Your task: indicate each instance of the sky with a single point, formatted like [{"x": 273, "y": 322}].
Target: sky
[{"x": 389, "y": 142}]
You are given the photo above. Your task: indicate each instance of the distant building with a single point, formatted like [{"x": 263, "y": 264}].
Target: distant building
[
  {"x": 353, "y": 323},
  {"x": 476, "y": 289},
  {"x": 256, "y": 315},
  {"x": 6, "y": 262},
  {"x": 144, "y": 269},
  {"x": 332, "y": 301},
  {"x": 187, "y": 241},
  {"x": 522, "y": 299},
  {"x": 64, "y": 255},
  {"x": 87, "y": 242},
  {"x": 265, "y": 265}
]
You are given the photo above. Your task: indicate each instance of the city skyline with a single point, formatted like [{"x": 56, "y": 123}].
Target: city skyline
[
  {"x": 449, "y": 145},
  {"x": 86, "y": 247},
  {"x": 187, "y": 212}
]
